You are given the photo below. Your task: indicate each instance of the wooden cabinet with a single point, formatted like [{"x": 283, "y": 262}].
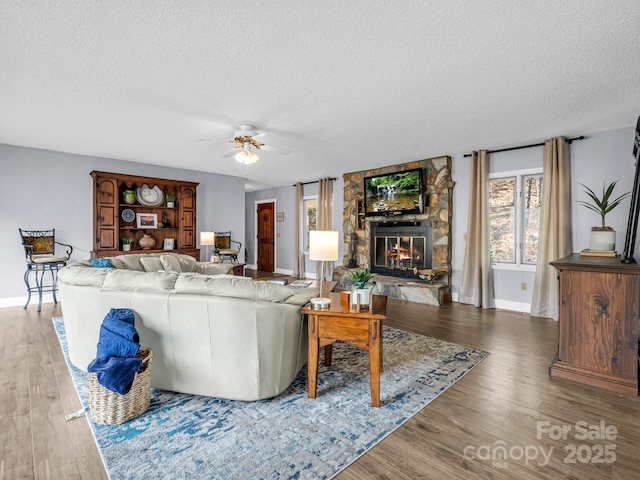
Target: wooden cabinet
[
  {"x": 598, "y": 322},
  {"x": 115, "y": 219}
]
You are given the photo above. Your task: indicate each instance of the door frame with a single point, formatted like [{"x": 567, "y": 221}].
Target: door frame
[{"x": 255, "y": 230}]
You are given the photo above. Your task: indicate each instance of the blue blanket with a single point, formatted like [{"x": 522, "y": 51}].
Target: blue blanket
[
  {"x": 116, "y": 364},
  {"x": 116, "y": 374}
]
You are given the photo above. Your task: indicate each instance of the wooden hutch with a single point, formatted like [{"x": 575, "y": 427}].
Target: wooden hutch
[
  {"x": 598, "y": 322},
  {"x": 146, "y": 212}
]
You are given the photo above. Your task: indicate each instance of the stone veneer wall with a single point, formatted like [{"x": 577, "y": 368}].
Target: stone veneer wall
[{"x": 438, "y": 189}]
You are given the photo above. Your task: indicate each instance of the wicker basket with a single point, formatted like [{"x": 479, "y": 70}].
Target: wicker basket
[{"x": 111, "y": 408}]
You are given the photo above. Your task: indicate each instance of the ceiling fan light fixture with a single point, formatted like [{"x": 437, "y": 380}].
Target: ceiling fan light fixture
[{"x": 246, "y": 157}]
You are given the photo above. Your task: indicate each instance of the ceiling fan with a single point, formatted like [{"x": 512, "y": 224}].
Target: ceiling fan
[{"x": 247, "y": 145}]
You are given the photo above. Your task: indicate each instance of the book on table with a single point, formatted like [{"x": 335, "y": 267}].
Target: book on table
[{"x": 598, "y": 253}]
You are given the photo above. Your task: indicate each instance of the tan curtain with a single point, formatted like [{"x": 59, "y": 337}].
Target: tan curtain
[
  {"x": 554, "y": 240},
  {"x": 298, "y": 258},
  {"x": 476, "y": 286},
  {"x": 324, "y": 216},
  {"x": 325, "y": 204}
]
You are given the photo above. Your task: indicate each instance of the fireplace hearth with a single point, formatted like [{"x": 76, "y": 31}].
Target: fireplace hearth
[{"x": 397, "y": 248}]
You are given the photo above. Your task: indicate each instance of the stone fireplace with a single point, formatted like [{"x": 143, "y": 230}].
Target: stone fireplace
[{"x": 392, "y": 247}]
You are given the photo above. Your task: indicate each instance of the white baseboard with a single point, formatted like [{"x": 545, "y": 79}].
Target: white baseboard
[
  {"x": 20, "y": 301},
  {"x": 503, "y": 304},
  {"x": 282, "y": 271},
  {"x": 513, "y": 306}
]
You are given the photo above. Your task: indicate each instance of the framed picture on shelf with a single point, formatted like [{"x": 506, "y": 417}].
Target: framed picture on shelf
[
  {"x": 147, "y": 220},
  {"x": 168, "y": 243}
]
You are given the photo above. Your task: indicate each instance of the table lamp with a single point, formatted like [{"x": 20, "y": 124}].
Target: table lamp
[
  {"x": 206, "y": 239},
  {"x": 323, "y": 247}
]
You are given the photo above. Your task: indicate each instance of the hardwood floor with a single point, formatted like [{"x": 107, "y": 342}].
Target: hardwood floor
[{"x": 504, "y": 401}]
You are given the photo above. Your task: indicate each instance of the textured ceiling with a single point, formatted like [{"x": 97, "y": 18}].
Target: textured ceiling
[{"x": 345, "y": 86}]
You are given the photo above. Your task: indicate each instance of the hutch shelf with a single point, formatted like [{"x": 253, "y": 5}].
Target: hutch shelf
[{"x": 142, "y": 214}]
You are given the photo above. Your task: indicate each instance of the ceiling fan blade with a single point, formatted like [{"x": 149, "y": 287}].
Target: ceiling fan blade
[
  {"x": 278, "y": 150},
  {"x": 230, "y": 153},
  {"x": 217, "y": 140}
]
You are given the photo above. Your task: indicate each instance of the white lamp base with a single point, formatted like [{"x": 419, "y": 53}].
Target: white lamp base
[{"x": 320, "y": 303}]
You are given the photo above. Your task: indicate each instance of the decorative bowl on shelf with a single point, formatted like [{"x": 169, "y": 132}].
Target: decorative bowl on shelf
[{"x": 147, "y": 242}]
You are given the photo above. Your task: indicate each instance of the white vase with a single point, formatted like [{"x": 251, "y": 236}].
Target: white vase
[
  {"x": 170, "y": 204},
  {"x": 602, "y": 240},
  {"x": 361, "y": 296},
  {"x": 126, "y": 247}
]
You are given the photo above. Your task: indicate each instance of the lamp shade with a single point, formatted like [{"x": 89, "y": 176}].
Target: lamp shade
[
  {"x": 323, "y": 245},
  {"x": 207, "y": 238}
]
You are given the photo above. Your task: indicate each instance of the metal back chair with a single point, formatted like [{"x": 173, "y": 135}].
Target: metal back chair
[
  {"x": 224, "y": 246},
  {"x": 40, "y": 256}
]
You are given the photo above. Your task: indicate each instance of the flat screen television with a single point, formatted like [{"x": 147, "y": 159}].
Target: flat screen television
[{"x": 396, "y": 193}]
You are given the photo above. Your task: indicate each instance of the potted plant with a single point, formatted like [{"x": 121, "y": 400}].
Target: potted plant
[
  {"x": 215, "y": 258},
  {"x": 603, "y": 237},
  {"x": 361, "y": 279},
  {"x": 170, "y": 201},
  {"x": 126, "y": 243},
  {"x": 129, "y": 197}
]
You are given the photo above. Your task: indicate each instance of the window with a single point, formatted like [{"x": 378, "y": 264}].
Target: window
[
  {"x": 515, "y": 199},
  {"x": 309, "y": 211}
]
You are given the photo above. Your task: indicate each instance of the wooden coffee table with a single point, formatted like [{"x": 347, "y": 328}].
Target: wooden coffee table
[{"x": 362, "y": 328}]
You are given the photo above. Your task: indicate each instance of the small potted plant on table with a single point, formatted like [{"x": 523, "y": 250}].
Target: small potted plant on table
[
  {"x": 603, "y": 238},
  {"x": 359, "y": 291}
]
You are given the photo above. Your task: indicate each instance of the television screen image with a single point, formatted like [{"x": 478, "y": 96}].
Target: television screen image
[{"x": 394, "y": 193}]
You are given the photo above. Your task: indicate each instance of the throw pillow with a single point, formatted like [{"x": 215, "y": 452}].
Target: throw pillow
[
  {"x": 101, "y": 262},
  {"x": 151, "y": 264}
]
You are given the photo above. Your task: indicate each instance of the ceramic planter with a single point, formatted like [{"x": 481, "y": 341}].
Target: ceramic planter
[
  {"x": 361, "y": 296},
  {"x": 602, "y": 240}
]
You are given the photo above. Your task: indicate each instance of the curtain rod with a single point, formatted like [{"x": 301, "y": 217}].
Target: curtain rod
[
  {"x": 569, "y": 140},
  {"x": 315, "y": 181}
]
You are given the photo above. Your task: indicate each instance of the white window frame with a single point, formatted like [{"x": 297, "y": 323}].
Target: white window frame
[
  {"x": 303, "y": 215},
  {"x": 519, "y": 209}
]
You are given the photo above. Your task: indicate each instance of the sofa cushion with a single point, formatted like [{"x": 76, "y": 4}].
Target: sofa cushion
[
  {"x": 79, "y": 274},
  {"x": 177, "y": 263},
  {"x": 140, "y": 281},
  {"x": 151, "y": 264},
  {"x": 128, "y": 262},
  {"x": 232, "y": 286},
  {"x": 210, "y": 268},
  {"x": 302, "y": 296}
]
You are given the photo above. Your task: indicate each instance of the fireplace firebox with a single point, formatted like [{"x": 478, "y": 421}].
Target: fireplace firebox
[{"x": 399, "y": 247}]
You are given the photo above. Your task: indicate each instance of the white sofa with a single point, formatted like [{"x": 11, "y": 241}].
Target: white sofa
[{"x": 217, "y": 335}]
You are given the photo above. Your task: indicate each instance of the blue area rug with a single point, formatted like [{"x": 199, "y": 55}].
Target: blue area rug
[{"x": 289, "y": 436}]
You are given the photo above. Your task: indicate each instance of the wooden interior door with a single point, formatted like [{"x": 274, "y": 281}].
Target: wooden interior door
[{"x": 265, "y": 216}]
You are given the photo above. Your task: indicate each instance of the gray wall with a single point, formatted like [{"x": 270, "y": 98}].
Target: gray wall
[
  {"x": 284, "y": 199},
  {"x": 45, "y": 189},
  {"x": 600, "y": 157},
  {"x": 603, "y": 156}
]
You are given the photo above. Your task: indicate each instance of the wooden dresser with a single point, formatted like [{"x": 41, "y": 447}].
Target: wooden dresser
[{"x": 598, "y": 322}]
